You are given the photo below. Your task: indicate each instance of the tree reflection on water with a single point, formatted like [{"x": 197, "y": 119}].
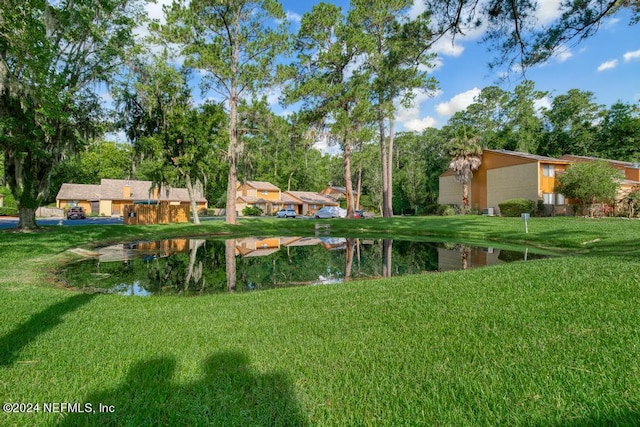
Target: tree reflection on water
[{"x": 196, "y": 266}]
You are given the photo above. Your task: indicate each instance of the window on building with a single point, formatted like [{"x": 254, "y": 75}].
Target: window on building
[
  {"x": 548, "y": 170},
  {"x": 548, "y": 198},
  {"x": 560, "y": 199}
]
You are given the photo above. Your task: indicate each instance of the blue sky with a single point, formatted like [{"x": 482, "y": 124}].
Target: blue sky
[{"x": 607, "y": 64}]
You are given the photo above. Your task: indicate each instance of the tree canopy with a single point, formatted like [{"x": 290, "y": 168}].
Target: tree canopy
[
  {"x": 53, "y": 54},
  {"x": 234, "y": 43},
  {"x": 516, "y": 33},
  {"x": 590, "y": 182}
]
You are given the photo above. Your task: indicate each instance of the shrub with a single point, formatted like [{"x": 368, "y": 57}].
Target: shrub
[
  {"x": 9, "y": 201},
  {"x": 8, "y": 211},
  {"x": 251, "y": 211},
  {"x": 430, "y": 209},
  {"x": 515, "y": 207},
  {"x": 446, "y": 210}
]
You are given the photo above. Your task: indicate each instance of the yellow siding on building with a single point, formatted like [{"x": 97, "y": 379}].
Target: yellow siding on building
[
  {"x": 105, "y": 207},
  {"x": 273, "y": 196},
  {"x": 520, "y": 181},
  {"x": 450, "y": 191}
]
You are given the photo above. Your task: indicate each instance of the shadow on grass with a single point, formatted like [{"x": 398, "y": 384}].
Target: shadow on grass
[
  {"x": 12, "y": 343},
  {"x": 229, "y": 394}
]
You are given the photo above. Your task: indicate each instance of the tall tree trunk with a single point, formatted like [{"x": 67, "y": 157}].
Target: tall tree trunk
[
  {"x": 388, "y": 201},
  {"x": 384, "y": 165},
  {"x": 347, "y": 177},
  {"x": 232, "y": 153},
  {"x": 28, "y": 178},
  {"x": 192, "y": 200},
  {"x": 359, "y": 189},
  {"x": 27, "y": 218},
  {"x": 465, "y": 195}
]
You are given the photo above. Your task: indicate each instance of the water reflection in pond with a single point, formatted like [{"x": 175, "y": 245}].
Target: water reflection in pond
[{"x": 195, "y": 266}]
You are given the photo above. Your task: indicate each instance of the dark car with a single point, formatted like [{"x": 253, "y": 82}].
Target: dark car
[{"x": 76, "y": 212}]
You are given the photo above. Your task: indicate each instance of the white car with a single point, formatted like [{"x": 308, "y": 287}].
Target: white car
[
  {"x": 331, "y": 212},
  {"x": 286, "y": 213}
]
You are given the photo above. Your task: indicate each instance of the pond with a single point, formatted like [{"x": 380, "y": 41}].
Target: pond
[{"x": 197, "y": 266}]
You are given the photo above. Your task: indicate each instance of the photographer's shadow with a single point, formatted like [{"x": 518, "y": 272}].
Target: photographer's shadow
[{"x": 230, "y": 394}]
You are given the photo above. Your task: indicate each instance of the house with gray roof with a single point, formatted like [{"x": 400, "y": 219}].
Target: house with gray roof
[
  {"x": 111, "y": 195},
  {"x": 270, "y": 199},
  {"x": 308, "y": 202}
]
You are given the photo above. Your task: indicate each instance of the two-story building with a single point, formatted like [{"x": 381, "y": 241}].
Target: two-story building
[
  {"x": 270, "y": 199},
  {"x": 261, "y": 194},
  {"x": 504, "y": 175}
]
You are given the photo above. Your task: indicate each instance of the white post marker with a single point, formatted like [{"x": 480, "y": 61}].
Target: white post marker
[{"x": 525, "y": 217}]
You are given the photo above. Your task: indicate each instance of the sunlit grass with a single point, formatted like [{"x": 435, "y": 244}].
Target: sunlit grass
[{"x": 551, "y": 342}]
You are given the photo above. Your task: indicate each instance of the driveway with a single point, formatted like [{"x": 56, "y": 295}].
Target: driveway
[{"x": 12, "y": 222}]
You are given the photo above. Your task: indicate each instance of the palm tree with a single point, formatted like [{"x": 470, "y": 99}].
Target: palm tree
[{"x": 466, "y": 157}]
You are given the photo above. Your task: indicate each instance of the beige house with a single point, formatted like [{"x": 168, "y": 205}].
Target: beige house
[
  {"x": 261, "y": 194},
  {"x": 308, "y": 202},
  {"x": 111, "y": 195},
  {"x": 270, "y": 199},
  {"x": 337, "y": 193}
]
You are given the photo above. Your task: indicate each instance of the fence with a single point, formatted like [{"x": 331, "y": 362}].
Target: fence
[
  {"x": 42, "y": 212},
  {"x": 156, "y": 214}
]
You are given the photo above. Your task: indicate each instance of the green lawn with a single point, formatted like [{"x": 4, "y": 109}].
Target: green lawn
[{"x": 551, "y": 342}]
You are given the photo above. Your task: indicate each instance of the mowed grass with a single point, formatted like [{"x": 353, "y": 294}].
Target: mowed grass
[{"x": 551, "y": 342}]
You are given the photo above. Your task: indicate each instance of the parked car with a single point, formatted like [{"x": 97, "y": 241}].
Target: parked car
[
  {"x": 286, "y": 213},
  {"x": 358, "y": 214},
  {"x": 331, "y": 212},
  {"x": 76, "y": 212}
]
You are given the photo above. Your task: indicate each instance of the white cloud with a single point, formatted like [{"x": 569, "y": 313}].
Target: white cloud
[
  {"x": 324, "y": 144},
  {"x": 563, "y": 55},
  {"x": 352, "y": 66},
  {"x": 544, "y": 103},
  {"x": 458, "y": 102},
  {"x": 610, "y": 23},
  {"x": 293, "y": 17},
  {"x": 416, "y": 9},
  {"x": 608, "y": 65},
  {"x": 418, "y": 125},
  {"x": 154, "y": 10},
  {"x": 547, "y": 11},
  {"x": 631, "y": 55},
  {"x": 448, "y": 47},
  {"x": 436, "y": 63},
  {"x": 409, "y": 118},
  {"x": 273, "y": 94}
]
